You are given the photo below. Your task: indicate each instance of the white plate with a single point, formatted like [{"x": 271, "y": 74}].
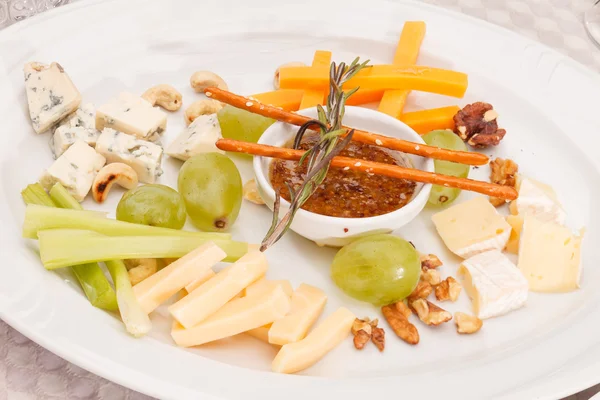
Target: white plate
[{"x": 548, "y": 103}]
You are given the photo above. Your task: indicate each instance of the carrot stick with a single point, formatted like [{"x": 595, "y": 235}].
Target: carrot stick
[
  {"x": 425, "y": 79},
  {"x": 313, "y": 97},
  {"x": 394, "y": 171},
  {"x": 288, "y": 99},
  {"x": 462, "y": 157},
  {"x": 407, "y": 52},
  {"x": 425, "y": 121}
]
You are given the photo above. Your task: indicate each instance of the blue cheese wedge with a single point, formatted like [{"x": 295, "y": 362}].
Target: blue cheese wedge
[
  {"x": 494, "y": 284},
  {"x": 81, "y": 125},
  {"x": 144, "y": 157},
  {"x": 472, "y": 227},
  {"x": 75, "y": 169},
  {"x": 132, "y": 115},
  {"x": 51, "y": 95},
  {"x": 550, "y": 256},
  {"x": 199, "y": 137}
]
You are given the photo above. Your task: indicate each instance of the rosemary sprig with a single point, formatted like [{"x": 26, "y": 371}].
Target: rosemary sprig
[{"x": 318, "y": 157}]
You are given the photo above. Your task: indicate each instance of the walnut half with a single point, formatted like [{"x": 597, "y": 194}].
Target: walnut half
[
  {"x": 503, "y": 172},
  {"x": 477, "y": 124},
  {"x": 466, "y": 323},
  {"x": 429, "y": 313},
  {"x": 396, "y": 315}
]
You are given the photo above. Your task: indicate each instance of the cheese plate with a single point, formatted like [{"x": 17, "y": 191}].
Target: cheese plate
[{"x": 547, "y": 103}]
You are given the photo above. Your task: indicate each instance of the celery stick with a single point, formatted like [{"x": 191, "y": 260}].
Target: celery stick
[
  {"x": 61, "y": 248},
  {"x": 135, "y": 319},
  {"x": 39, "y": 218},
  {"x": 35, "y": 194},
  {"x": 90, "y": 276},
  {"x": 63, "y": 198}
]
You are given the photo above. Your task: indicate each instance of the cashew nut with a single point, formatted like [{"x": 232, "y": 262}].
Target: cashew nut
[
  {"x": 140, "y": 269},
  {"x": 201, "y": 107},
  {"x": 203, "y": 79},
  {"x": 119, "y": 173},
  {"x": 290, "y": 64},
  {"x": 165, "y": 96}
]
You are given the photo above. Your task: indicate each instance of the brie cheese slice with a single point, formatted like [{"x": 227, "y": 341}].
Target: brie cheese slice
[{"x": 538, "y": 200}]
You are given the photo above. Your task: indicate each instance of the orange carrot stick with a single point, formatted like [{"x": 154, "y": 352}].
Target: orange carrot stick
[
  {"x": 394, "y": 171},
  {"x": 462, "y": 157},
  {"x": 313, "y": 97},
  {"x": 407, "y": 52},
  {"x": 425, "y": 121},
  {"x": 288, "y": 99}
]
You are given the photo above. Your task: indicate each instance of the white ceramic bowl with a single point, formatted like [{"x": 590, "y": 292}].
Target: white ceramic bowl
[{"x": 334, "y": 231}]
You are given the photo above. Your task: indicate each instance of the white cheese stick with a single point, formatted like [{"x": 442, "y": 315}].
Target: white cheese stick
[
  {"x": 75, "y": 169},
  {"x": 200, "y": 137},
  {"x": 294, "y": 357},
  {"x": 202, "y": 278},
  {"x": 157, "y": 288},
  {"x": 51, "y": 95},
  {"x": 550, "y": 256},
  {"x": 264, "y": 284},
  {"x": 260, "y": 333},
  {"x": 212, "y": 295},
  {"x": 494, "y": 284},
  {"x": 307, "y": 304},
  {"x": 132, "y": 115},
  {"x": 472, "y": 227},
  {"x": 144, "y": 157},
  {"x": 237, "y": 316}
]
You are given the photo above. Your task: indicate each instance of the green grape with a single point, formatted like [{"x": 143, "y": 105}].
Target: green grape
[
  {"x": 441, "y": 195},
  {"x": 211, "y": 187},
  {"x": 154, "y": 205},
  {"x": 379, "y": 269},
  {"x": 242, "y": 125}
]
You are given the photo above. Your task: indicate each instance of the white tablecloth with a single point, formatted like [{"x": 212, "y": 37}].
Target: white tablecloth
[{"x": 28, "y": 371}]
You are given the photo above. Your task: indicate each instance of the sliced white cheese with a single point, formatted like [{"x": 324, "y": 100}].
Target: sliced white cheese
[
  {"x": 260, "y": 333},
  {"x": 157, "y": 288},
  {"x": 307, "y": 304},
  {"x": 202, "y": 278},
  {"x": 132, "y": 115},
  {"x": 51, "y": 95},
  {"x": 472, "y": 227},
  {"x": 264, "y": 284},
  {"x": 494, "y": 284},
  {"x": 239, "y": 315},
  {"x": 144, "y": 157},
  {"x": 212, "y": 295},
  {"x": 75, "y": 169},
  {"x": 294, "y": 357},
  {"x": 200, "y": 137},
  {"x": 538, "y": 200},
  {"x": 80, "y": 125},
  {"x": 550, "y": 256}
]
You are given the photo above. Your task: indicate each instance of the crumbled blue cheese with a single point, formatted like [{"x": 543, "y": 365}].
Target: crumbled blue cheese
[
  {"x": 199, "y": 137},
  {"x": 144, "y": 157},
  {"x": 75, "y": 169},
  {"x": 51, "y": 94},
  {"x": 80, "y": 125},
  {"x": 132, "y": 115}
]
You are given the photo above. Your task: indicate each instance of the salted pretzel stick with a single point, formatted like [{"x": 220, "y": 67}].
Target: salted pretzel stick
[
  {"x": 461, "y": 157},
  {"x": 394, "y": 171}
]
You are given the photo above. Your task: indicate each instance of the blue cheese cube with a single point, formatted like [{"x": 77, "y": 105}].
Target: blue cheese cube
[
  {"x": 81, "y": 125},
  {"x": 75, "y": 169},
  {"x": 144, "y": 157},
  {"x": 51, "y": 95},
  {"x": 132, "y": 115},
  {"x": 199, "y": 137}
]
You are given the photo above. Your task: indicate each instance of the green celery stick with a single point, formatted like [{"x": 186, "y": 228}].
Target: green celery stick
[
  {"x": 61, "y": 248},
  {"x": 135, "y": 319},
  {"x": 90, "y": 276},
  {"x": 39, "y": 218},
  {"x": 35, "y": 194},
  {"x": 63, "y": 198}
]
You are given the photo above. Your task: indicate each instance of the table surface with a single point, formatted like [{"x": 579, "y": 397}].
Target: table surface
[{"x": 27, "y": 371}]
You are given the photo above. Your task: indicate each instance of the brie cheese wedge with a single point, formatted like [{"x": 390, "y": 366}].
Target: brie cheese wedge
[
  {"x": 538, "y": 200},
  {"x": 472, "y": 227},
  {"x": 494, "y": 284},
  {"x": 550, "y": 256}
]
